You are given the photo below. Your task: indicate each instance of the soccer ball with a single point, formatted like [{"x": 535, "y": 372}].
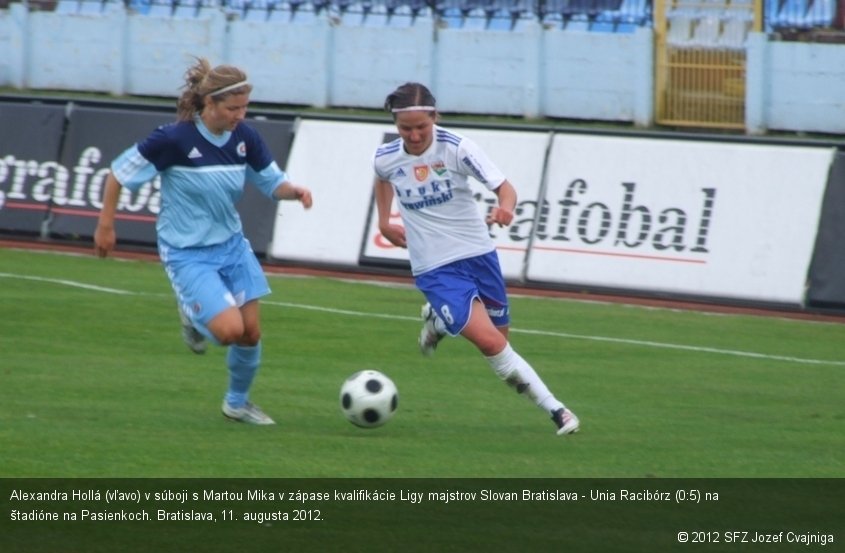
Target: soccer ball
[{"x": 368, "y": 399}]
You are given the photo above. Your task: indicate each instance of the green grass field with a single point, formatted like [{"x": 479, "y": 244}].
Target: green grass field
[{"x": 97, "y": 383}]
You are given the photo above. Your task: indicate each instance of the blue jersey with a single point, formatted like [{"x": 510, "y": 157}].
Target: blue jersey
[{"x": 202, "y": 178}]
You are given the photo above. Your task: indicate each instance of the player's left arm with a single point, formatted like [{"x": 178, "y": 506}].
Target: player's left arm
[
  {"x": 502, "y": 214},
  {"x": 263, "y": 171},
  {"x": 289, "y": 191}
]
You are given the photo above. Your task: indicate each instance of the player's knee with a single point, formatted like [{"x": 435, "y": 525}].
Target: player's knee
[
  {"x": 250, "y": 337},
  {"x": 229, "y": 334},
  {"x": 491, "y": 344}
]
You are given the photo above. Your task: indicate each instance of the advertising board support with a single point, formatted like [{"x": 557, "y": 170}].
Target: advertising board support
[{"x": 826, "y": 279}]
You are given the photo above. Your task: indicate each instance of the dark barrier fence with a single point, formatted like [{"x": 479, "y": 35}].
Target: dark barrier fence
[{"x": 30, "y": 144}]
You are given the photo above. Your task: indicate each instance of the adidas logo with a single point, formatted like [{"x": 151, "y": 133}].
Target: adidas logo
[
  {"x": 194, "y": 153},
  {"x": 400, "y": 173}
]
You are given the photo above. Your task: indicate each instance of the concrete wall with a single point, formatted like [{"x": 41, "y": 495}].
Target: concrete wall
[{"x": 795, "y": 86}]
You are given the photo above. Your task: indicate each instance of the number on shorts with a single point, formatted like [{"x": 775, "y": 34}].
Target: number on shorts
[{"x": 446, "y": 315}]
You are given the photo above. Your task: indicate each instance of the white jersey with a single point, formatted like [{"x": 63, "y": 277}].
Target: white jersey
[{"x": 442, "y": 220}]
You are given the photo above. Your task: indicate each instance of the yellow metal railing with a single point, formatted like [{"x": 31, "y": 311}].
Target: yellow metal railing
[{"x": 700, "y": 61}]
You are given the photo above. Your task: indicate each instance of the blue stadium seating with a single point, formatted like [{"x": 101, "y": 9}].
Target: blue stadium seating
[
  {"x": 401, "y": 16},
  {"x": 280, "y": 12},
  {"x": 618, "y": 16},
  {"x": 500, "y": 20}
]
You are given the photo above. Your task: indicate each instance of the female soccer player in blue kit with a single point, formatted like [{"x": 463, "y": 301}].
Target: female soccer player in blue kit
[
  {"x": 453, "y": 259},
  {"x": 204, "y": 160}
]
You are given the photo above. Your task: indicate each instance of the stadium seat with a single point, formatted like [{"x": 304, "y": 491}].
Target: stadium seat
[
  {"x": 578, "y": 22},
  {"x": 304, "y": 14},
  {"x": 679, "y": 33},
  {"x": 453, "y": 18},
  {"x": 501, "y": 20},
  {"x": 821, "y": 13},
  {"x": 353, "y": 15},
  {"x": 402, "y": 16},
  {"x": 553, "y": 21},
  {"x": 377, "y": 16},
  {"x": 792, "y": 14},
  {"x": 279, "y": 12},
  {"x": 207, "y": 7},
  {"x": 633, "y": 14},
  {"x": 577, "y": 8},
  {"x": 606, "y": 19},
  {"x": 734, "y": 33},
  {"x": 707, "y": 31},
  {"x": 185, "y": 9},
  {"x": 523, "y": 20},
  {"x": 423, "y": 13},
  {"x": 475, "y": 20}
]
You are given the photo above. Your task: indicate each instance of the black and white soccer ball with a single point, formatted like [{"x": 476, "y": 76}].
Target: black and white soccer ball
[{"x": 369, "y": 399}]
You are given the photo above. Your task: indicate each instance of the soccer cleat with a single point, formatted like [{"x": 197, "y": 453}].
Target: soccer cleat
[
  {"x": 248, "y": 413},
  {"x": 566, "y": 421},
  {"x": 192, "y": 337},
  {"x": 429, "y": 336}
]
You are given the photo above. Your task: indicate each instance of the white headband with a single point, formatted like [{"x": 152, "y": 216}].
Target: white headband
[
  {"x": 413, "y": 108},
  {"x": 228, "y": 88}
]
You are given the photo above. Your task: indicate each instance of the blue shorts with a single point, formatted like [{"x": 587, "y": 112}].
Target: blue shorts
[
  {"x": 451, "y": 289},
  {"x": 211, "y": 279}
]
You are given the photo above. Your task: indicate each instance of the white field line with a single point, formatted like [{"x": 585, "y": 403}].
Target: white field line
[
  {"x": 71, "y": 283},
  {"x": 565, "y": 335},
  {"x": 606, "y": 339}
]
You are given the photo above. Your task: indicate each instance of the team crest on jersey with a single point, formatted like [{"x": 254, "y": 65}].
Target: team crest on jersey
[
  {"x": 242, "y": 149},
  {"x": 439, "y": 167},
  {"x": 421, "y": 172}
]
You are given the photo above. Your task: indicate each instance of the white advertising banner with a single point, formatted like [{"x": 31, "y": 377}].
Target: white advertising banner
[
  {"x": 688, "y": 217},
  {"x": 334, "y": 160}
]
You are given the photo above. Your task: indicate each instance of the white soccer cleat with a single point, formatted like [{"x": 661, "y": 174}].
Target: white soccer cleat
[
  {"x": 192, "y": 337},
  {"x": 566, "y": 421},
  {"x": 429, "y": 335},
  {"x": 248, "y": 413}
]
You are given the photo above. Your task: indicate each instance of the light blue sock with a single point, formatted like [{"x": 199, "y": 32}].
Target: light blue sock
[{"x": 243, "y": 363}]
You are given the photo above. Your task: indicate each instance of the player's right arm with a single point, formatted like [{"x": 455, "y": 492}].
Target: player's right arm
[
  {"x": 395, "y": 234},
  {"x": 104, "y": 236}
]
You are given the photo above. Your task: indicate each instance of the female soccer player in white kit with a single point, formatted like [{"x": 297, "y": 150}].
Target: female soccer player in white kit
[
  {"x": 204, "y": 161},
  {"x": 453, "y": 259}
]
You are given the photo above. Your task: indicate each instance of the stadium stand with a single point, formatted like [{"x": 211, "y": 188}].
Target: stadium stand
[{"x": 709, "y": 23}]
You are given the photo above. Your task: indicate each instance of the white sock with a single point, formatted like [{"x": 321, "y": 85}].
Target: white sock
[{"x": 518, "y": 374}]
